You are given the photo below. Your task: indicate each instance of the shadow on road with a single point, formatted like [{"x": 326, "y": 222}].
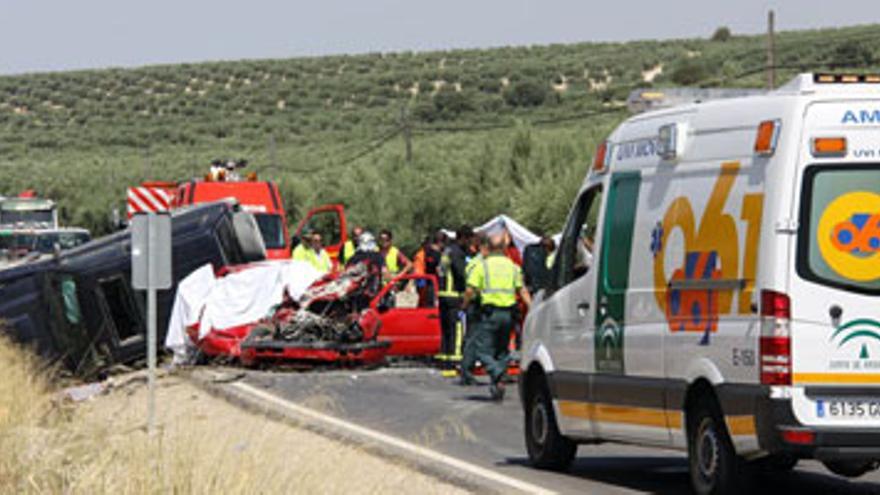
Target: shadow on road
[
  {"x": 661, "y": 475},
  {"x": 669, "y": 476}
]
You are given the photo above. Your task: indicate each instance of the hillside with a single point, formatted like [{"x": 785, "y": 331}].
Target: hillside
[{"x": 506, "y": 129}]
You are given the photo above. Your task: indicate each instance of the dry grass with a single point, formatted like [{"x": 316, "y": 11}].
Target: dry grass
[{"x": 204, "y": 445}]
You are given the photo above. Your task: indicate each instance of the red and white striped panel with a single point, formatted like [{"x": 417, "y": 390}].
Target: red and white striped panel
[{"x": 143, "y": 199}]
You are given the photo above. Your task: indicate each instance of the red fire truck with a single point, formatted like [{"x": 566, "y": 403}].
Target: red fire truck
[{"x": 259, "y": 197}]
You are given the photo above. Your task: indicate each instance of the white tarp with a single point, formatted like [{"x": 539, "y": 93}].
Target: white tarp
[
  {"x": 521, "y": 236},
  {"x": 236, "y": 299}
]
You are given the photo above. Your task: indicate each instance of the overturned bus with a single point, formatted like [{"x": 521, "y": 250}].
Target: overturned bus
[{"x": 78, "y": 308}]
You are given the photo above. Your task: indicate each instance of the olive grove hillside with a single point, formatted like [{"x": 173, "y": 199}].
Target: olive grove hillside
[{"x": 502, "y": 129}]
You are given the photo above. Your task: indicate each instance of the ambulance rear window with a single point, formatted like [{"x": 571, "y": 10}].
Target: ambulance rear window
[{"x": 839, "y": 240}]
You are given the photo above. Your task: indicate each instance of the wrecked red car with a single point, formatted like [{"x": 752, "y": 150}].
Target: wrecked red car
[{"x": 337, "y": 319}]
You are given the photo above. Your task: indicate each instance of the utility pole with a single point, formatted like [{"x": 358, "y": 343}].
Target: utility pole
[
  {"x": 407, "y": 133},
  {"x": 771, "y": 50}
]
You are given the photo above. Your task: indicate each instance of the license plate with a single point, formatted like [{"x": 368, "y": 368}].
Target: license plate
[{"x": 867, "y": 409}]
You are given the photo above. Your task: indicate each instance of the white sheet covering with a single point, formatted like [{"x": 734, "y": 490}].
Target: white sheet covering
[
  {"x": 521, "y": 236},
  {"x": 236, "y": 299},
  {"x": 188, "y": 303}
]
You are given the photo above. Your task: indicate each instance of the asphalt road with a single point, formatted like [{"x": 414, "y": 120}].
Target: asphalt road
[{"x": 420, "y": 406}]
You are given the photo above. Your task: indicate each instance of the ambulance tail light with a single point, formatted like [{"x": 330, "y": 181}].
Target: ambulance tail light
[
  {"x": 829, "y": 146},
  {"x": 775, "y": 338},
  {"x": 798, "y": 436},
  {"x": 767, "y": 137}
]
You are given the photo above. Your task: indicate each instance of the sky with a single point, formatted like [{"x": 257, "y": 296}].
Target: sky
[{"x": 53, "y": 35}]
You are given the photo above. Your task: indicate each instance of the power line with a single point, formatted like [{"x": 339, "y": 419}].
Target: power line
[
  {"x": 373, "y": 147},
  {"x": 534, "y": 122}
]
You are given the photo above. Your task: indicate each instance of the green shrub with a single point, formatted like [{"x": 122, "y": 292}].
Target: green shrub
[
  {"x": 690, "y": 71},
  {"x": 526, "y": 93},
  {"x": 721, "y": 34}
]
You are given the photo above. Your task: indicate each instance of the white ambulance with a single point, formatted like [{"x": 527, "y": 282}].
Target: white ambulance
[{"x": 717, "y": 288}]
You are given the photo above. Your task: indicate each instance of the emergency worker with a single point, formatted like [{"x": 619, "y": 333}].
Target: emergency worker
[
  {"x": 452, "y": 278},
  {"x": 433, "y": 253},
  {"x": 368, "y": 253},
  {"x": 418, "y": 258},
  {"x": 312, "y": 251},
  {"x": 351, "y": 244},
  {"x": 497, "y": 280},
  {"x": 537, "y": 262},
  {"x": 395, "y": 261}
]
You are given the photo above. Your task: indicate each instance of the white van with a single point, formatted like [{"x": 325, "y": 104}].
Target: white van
[{"x": 717, "y": 288}]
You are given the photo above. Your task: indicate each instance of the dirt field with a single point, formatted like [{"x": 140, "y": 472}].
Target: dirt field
[{"x": 50, "y": 443}]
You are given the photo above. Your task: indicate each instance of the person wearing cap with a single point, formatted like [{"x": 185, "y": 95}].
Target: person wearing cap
[{"x": 497, "y": 280}]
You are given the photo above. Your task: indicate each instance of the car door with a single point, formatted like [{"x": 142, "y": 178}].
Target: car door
[
  {"x": 835, "y": 330},
  {"x": 628, "y": 387},
  {"x": 408, "y": 309},
  {"x": 329, "y": 221},
  {"x": 570, "y": 312}
]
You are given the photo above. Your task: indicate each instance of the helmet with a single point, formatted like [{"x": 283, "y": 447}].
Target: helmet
[{"x": 367, "y": 242}]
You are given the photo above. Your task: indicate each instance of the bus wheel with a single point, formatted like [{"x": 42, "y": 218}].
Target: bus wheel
[
  {"x": 711, "y": 457},
  {"x": 547, "y": 448},
  {"x": 850, "y": 469}
]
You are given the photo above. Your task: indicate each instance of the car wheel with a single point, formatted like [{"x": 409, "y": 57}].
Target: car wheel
[
  {"x": 850, "y": 469},
  {"x": 711, "y": 457},
  {"x": 547, "y": 448}
]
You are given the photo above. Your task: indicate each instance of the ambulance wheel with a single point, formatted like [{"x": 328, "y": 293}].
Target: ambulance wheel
[
  {"x": 711, "y": 457},
  {"x": 547, "y": 448},
  {"x": 850, "y": 469}
]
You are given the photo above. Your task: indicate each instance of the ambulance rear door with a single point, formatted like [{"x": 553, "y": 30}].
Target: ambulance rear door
[{"x": 835, "y": 283}]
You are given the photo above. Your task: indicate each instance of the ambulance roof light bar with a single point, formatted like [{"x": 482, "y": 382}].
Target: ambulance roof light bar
[{"x": 824, "y": 78}]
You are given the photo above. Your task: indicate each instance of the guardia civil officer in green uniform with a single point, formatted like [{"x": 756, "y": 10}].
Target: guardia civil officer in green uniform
[{"x": 497, "y": 280}]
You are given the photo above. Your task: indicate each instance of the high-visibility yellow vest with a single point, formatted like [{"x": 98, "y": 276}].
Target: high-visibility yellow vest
[
  {"x": 391, "y": 261},
  {"x": 497, "y": 278},
  {"x": 320, "y": 262},
  {"x": 448, "y": 280},
  {"x": 348, "y": 250}
]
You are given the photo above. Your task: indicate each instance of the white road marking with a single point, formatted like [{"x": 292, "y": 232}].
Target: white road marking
[{"x": 397, "y": 443}]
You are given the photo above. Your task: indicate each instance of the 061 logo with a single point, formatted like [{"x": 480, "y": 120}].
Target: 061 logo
[
  {"x": 848, "y": 236},
  {"x": 695, "y": 294}
]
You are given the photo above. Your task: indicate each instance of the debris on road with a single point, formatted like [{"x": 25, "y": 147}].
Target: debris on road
[{"x": 84, "y": 392}]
